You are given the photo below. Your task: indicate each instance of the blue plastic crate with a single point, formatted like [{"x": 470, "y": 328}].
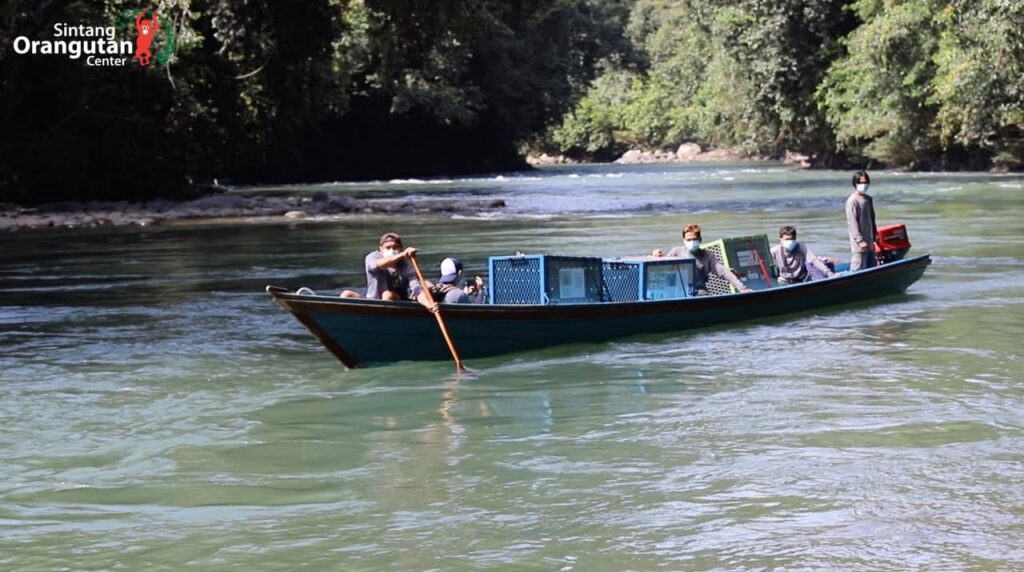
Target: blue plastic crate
[
  {"x": 631, "y": 279},
  {"x": 544, "y": 279}
]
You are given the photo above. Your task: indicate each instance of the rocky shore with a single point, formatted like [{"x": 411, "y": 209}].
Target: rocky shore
[
  {"x": 694, "y": 153},
  {"x": 224, "y": 206},
  {"x": 685, "y": 153}
]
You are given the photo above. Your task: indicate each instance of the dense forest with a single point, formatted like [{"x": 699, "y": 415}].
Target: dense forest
[{"x": 265, "y": 91}]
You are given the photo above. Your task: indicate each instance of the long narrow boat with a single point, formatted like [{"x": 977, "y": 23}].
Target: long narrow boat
[{"x": 362, "y": 332}]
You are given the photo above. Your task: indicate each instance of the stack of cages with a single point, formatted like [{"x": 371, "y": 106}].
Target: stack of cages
[
  {"x": 544, "y": 279},
  {"x": 749, "y": 257},
  {"x": 633, "y": 279},
  {"x": 892, "y": 243}
]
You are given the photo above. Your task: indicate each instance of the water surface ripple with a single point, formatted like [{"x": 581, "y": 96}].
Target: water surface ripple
[{"x": 160, "y": 411}]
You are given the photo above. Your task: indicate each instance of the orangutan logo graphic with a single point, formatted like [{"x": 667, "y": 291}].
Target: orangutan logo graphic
[{"x": 147, "y": 29}]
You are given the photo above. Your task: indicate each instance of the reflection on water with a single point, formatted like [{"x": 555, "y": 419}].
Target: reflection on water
[{"x": 158, "y": 407}]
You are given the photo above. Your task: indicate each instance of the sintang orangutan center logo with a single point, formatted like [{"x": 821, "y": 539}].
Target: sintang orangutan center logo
[
  {"x": 108, "y": 46},
  {"x": 154, "y": 36},
  {"x": 146, "y": 29}
]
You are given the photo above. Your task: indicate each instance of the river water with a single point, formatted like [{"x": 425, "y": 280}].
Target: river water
[{"x": 158, "y": 409}]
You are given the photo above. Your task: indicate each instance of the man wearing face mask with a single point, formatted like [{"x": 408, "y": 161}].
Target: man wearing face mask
[
  {"x": 707, "y": 264},
  {"x": 451, "y": 288},
  {"x": 860, "y": 222},
  {"x": 792, "y": 257},
  {"x": 390, "y": 274}
]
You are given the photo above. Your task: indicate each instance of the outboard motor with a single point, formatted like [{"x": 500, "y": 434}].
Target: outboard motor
[{"x": 892, "y": 243}]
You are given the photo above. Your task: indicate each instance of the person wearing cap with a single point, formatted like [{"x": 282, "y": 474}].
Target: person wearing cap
[
  {"x": 450, "y": 287},
  {"x": 706, "y": 262},
  {"x": 860, "y": 222},
  {"x": 390, "y": 274},
  {"x": 795, "y": 259}
]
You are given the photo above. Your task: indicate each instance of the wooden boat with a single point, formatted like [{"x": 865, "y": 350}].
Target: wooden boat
[{"x": 362, "y": 332}]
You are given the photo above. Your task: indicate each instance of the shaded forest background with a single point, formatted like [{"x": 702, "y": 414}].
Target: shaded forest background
[{"x": 315, "y": 90}]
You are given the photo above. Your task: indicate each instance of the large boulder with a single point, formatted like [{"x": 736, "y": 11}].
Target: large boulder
[
  {"x": 630, "y": 157},
  {"x": 794, "y": 158},
  {"x": 688, "y": 151},
  {"x": 545, "y": 159},
  {"x": 723, "y": 155}
]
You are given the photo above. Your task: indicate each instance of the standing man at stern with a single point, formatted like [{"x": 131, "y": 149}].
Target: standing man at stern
[{"x": 860, "y": 222}]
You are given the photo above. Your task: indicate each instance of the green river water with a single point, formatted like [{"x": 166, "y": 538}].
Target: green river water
[{"x": 159, "y": 411}]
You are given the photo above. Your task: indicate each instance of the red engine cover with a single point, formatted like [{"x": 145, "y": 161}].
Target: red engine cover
[{"x": 892, "y": 237}]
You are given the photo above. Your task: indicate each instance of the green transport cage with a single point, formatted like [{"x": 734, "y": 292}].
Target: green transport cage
[{"x": 748, "y": 257}]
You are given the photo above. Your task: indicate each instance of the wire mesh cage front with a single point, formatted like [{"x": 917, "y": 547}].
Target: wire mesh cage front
[
  {"x": 515, "y": 280},
  {"x": 716, "y": 285},
  {"x": 654, "y": 279},
  {"x": 621, "y": 281},
  {"x": 545, "y": 279}
]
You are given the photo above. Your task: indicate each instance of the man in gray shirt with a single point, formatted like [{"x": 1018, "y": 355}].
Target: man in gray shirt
[
  {"x": 860, "y": 222},
  {"x": 792, "y": 257},
  {"x": 706, "y": 261},
  {"x": 390, "y": 274}
]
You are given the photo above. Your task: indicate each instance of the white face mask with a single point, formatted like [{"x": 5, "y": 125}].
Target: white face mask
[
  {"x": 862, "y": 187},
  {"x": 389, "y": 252},
  {"x": 789, "y": 245}
]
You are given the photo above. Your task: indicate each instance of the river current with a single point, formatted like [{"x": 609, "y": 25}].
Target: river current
[{"x": 159, "y": 410}]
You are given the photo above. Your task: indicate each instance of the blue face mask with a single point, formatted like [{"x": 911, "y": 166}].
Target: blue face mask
[
  {"x": 790, "y": 245},
  {"x": 862, "y": 187},
  {"x": 692, "y": 245}
]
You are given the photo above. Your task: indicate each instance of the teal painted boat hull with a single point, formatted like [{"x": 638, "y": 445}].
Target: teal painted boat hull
[{"x": 363, "y": 332}]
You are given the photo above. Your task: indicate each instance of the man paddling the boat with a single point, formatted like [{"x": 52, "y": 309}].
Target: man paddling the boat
[
  {"x": 706, "y": 262},
  {"x": 390, "y": 274}
]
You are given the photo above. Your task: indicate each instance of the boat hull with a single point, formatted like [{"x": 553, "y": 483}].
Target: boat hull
[{"x": 362, "y": 332}]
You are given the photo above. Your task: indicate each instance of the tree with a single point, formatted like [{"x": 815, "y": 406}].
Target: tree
[
  {"x": 732, "y": 74},
  {"x": 266, "y": 91},
  {"x": 931, "y": 83},
  {"x": 979, "y": 81},
  {"x": 878, "y": 96}
]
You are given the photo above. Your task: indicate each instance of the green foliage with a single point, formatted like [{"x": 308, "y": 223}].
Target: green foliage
[
  {"x": 926, "y": 83},
  {"x": 878, "y": 96},
  {"x": 334, "y": 89},
  {"x": 320, "y": 89},
  {"x": 590, "y": 128},
  {"x": 925, "y": 80},
  {"x": 736, "y": 74},
  {"x": 979, "y": 84}
]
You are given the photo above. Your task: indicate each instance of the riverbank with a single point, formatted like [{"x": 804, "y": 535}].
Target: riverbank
[
  {"x": 224, "y": 206},
  {"x": 685, "y": 153}
]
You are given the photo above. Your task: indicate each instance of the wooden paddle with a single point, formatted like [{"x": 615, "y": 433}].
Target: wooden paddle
[{"x": 440, "y": 321}]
